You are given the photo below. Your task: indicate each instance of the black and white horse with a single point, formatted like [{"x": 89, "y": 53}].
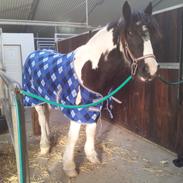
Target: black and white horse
[{"x": 123, "y": 46}]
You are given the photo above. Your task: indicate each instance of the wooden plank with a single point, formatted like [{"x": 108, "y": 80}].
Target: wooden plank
[{"x": 165, "y": 101}]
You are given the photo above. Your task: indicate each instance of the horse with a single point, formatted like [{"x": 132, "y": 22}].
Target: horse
[{"x": 123, "y": 46}]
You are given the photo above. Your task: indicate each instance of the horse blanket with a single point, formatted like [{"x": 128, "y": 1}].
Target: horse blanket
[{"x": 46, "y": 73}]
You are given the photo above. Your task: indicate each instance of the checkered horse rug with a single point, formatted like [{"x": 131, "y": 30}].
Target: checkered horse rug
[{"x": 46, "y": 73}]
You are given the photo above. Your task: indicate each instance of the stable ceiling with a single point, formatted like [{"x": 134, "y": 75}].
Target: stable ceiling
[{"x": 100, "y": 12}]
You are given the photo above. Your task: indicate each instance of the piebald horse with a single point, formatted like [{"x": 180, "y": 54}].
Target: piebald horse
[{"x": 123, "y": 46}]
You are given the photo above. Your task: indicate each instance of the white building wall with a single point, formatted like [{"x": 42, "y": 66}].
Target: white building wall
[
  {"x": 16, "y": 47},
  {"x": 26, "y": 40}
]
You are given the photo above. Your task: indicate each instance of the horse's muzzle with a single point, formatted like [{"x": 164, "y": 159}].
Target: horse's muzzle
[{"x": 147, "y": 70}]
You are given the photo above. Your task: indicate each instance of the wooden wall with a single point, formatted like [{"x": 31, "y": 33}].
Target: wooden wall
[
  {"x": 71, "y": 44},
  {"x": 152, "y": 110}
]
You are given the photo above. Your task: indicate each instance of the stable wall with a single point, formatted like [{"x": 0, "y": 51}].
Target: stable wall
[{"x": 16, "y": 47}]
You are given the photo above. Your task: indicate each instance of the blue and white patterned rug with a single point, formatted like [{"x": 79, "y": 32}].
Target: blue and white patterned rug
[{"x": 46, "y": 73}]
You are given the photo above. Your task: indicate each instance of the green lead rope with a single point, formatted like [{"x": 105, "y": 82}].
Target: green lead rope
[
  {"x": 20, "y": 149},
  {"x": 77, "y": 106}
]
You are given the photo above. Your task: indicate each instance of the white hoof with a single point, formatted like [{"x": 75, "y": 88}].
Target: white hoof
[
  {"x": 45, "y": 150},
  {"x": 93, "y": 158},
  {"x": 71, "y": 173}
]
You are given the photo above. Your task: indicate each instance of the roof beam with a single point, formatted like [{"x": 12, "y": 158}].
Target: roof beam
[
  {"x": 33, "y": 9},
  {"x": 43, "y": 23}
]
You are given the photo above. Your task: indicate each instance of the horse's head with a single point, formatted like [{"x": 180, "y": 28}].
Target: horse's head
[{"x": 138, "y": 31}]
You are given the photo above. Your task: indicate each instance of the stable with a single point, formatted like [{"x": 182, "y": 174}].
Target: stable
[{"x": 152, "y": 110}]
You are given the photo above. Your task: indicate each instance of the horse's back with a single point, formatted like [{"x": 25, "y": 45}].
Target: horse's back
[{"x": 39, "y": 60}]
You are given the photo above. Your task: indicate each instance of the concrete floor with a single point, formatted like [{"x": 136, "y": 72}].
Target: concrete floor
[
  {"x": 139, "y": 160},
  {"x": 152, "y": 164},
  {"x": 128, "y": 158}
]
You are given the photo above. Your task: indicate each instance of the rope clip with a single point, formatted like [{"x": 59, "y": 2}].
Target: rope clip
[{"x": 134, "y": 68}]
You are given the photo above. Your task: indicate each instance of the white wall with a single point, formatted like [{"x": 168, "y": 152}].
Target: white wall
[
  {"x": 26, "y": 40},
  {"x": 16, "y": 48}
]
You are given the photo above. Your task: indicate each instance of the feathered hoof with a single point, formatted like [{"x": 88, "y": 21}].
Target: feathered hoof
[
  {"x": 93, "y": 159},
  {"x": 44, "y": 150},
  {"x": 71, "y": 173}
]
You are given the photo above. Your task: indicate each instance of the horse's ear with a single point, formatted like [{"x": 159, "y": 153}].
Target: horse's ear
[
  {"x": 148, "y": 9},
  {"x": 126, "y": 10}
]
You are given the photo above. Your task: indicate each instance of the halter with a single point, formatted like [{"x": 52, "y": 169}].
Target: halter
[{"x": 134, "y": 60}]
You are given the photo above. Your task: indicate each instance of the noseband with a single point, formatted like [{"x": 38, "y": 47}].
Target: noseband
[{"x": 130, "y": 56}]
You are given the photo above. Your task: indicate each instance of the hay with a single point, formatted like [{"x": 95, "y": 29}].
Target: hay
[
  {"x": 8, "y": 171},
  {"x": 41, "y": 167}
]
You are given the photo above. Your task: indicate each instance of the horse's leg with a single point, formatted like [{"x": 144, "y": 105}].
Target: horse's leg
[
  {"x": 90, "y": 143},
  {"x": 68, "y": 158},
  {"x": 47, "y": 113},
  {"x": 43, "y": 117}
]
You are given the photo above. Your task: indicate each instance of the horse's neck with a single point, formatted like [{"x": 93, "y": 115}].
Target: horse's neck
[{"x": 100, "y": 43}]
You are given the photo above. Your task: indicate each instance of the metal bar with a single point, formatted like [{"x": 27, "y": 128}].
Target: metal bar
[
  {"x": 86, "y": 12},
  {"x": 169, "y": 65},
  {"x": 46, "y": 44},
  {"x": 6, "y": 105},
  {"x": 20, "y": 138},
  {"x": 45, "y": 41},
  {"x": 33, "y": 9},
  {"x": 1, "y": 50},
  {"x": 94, "y": 29},
  {"x": 168, "y": 9},
  {"x": 17, "y": 120},
  {"x": 11, "y": 84},
  {"x": 180, "y": 56},
  {"x": 60, "y": 37},
  {"x": 64, "y": 34},
  {"x": 15, "y": 132},
  {"x": 44, "y": 38},
  {"x": 32, "y": 12},
  {"x": 2, "y": 87},
  {"x": 43, "y": 23},
  {"x": 6, "y": 100}
]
